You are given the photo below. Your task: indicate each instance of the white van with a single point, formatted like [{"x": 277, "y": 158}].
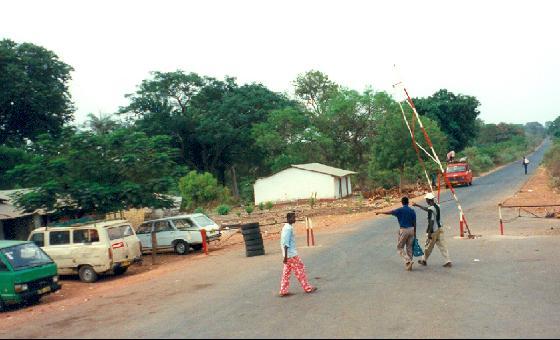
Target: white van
[
  {"x": 178, "y": 233},
  {"x": 91, "y": 248}
]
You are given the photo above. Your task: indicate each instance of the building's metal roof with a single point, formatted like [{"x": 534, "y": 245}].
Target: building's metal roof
[
  {"x": 324, "y": 169},
  {"x": 8, "y": 210}
]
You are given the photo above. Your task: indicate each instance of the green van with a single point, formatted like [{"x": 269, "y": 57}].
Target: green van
[{"x": 26, "y": 273}]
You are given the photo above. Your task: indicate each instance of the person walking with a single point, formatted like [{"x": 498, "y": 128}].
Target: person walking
[
  {"x": 434, "y": 231},
  {"x": 292, "y": 262},
  {"x": 525, "y": 163},
  {"x": 407, "y": 232}
]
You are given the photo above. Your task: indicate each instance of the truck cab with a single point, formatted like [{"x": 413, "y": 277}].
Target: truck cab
[
  {"x": 459, "y": 173},
  {"x": 27, "y": 273}
]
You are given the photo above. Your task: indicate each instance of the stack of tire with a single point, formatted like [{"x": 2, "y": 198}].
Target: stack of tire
[{"x": 254, "y": 245}]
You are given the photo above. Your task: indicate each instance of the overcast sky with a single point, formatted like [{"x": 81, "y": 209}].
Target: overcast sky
[{"x": 507, "y": 54}]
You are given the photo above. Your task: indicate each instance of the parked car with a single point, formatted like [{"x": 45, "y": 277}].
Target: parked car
[
  {"x": 27, "y": 273},
  {"x": 178, "y": 233},
  {"x": 90, "y": 249},
  {"x": 459, "y": 173}
]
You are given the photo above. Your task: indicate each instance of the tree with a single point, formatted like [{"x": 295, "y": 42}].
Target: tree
[
  {"x": 209, "y": 120},
  {"x": 554, "y": 128},
  {"x": 80, "y": 172},
  {"x": 34, "y": 96},
  {"x": 10, "y": 158},
  {"x": 535, "y": 129},
  {"x": 455, "y": 114},
  {"x": 315, "y": 89},
  {"x": 392, "y": 153},
  {"x": 101, "y": 125}
]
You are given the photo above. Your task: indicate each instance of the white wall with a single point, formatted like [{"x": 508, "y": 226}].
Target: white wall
[
  {"x": 294, "y": 184},
  {"x": 346, "y": 190}
]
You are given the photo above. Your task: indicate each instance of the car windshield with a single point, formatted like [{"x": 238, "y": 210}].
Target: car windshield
[
  {"x": 456, "y": 168},
  {"x": 183, "y": 224},
  {"x": 26, "y": 255},
  {"x": 203, "y": 221}
]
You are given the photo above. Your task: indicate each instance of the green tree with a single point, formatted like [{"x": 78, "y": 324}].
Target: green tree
[
  {"x": 392, "y": 153},
  {"x": 88, "y": 173},
  {"x": 198, "y": 189},
  {"x": 455, "y": 114},
  {"x": 10, "y": 158},
  {"x": 554, "y": 128},
  {"x": 102, "y": 124},
  {"x": 314, "y": 89},
  {"x": 34, "y": 96}
]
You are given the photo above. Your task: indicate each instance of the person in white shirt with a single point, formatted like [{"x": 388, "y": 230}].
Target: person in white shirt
[
  {"x": 292, "y": 262},
  {"x": 525, "y": 164},
  {"x": 435, "y": 231}
]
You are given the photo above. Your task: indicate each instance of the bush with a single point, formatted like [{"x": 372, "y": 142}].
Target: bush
[
  {"x": 249, "y": 209},
  {"x": 269, "y": 205},
  {"x": 552, "y": 160},
  {"x": 223, "y": 209},
  {"x": 198, "y": 189},
  {"x": 199, "y": 210},
  {"x": 261, "y": 206}
]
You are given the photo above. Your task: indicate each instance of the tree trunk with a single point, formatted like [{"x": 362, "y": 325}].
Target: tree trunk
[{"x": 234, "y": 182}]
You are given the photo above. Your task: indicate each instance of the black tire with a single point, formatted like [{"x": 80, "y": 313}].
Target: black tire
[
  {"x": 87, "y": 274},
  {"x": 251, "y": 232},
  {"x": 181, "y": 248},
  {"x": 120, "y": 270},
  {"x": 254, "y": 248},
  {"x": 253, "y": 243},
  {"x": 2, "y": 306},
  {"x": 33, "y": 300},
  {"x": 251, "y": 253},
  {"x": 252, "y": 237},
  {"x": 197, "y": 247},
  {"x": 249, "y": 226}
]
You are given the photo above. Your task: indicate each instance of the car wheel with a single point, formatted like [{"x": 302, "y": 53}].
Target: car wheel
[
  {"x": 33, "y": 300},
  {"x": 120, "y": 270},
  {"x": 87, "y": 274},
  {"x": 197, "y": 247},
  {"x": 181, "y": 247},
  {"x": 2, "y": 306},
  {"x": 255, "y": 236}
]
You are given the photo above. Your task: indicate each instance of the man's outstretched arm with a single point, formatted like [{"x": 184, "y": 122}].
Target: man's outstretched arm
[{"x": 420, "y": 206}]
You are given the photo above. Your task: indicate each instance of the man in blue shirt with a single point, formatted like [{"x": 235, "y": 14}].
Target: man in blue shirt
[
  {"x": 292, "y": 262},
  {"x": 407, "y": 232}
]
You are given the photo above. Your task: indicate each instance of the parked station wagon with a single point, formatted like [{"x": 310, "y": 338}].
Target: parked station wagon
[
  {"x": 90, "y": 249},
  {"x": 26, "y": 273},
  {"x": 178, "y": 233}
]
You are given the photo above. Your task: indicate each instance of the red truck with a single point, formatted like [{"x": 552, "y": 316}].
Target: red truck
[{"x": 459, "y": 173}]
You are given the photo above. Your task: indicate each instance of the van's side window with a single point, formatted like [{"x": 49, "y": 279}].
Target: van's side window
[
  {"x": 86, "y": 236},
  {"x": 58, "y": 238},
  {"x": 144, "y": 229},
  {"x": 38, "y": 239},
  {"x": 163, "y": 226},
  {"x": 3, "y": 267}
]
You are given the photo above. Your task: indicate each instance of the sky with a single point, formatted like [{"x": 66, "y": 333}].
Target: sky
[{"x": 507, "y": 54}]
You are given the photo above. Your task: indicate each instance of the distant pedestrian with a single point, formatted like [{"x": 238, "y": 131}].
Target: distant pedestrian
[
  {"x": 434, "y": 231},
  {"x": 407, "y": 232},
  {"x": 292, "y": 262},
  {"x": 525, "y": 164}
]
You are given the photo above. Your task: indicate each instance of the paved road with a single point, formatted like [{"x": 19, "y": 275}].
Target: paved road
[{"x": 364, "y": 291}]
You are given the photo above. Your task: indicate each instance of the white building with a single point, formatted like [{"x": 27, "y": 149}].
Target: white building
[{"x": 302, "y": 181}]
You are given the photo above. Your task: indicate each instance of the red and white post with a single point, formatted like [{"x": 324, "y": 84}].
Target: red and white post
[
  {"x": 461, "y": 224},
  {"x": 312, "y": 235}
]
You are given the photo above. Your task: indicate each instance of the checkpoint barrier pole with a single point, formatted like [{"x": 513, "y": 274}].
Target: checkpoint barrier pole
[
  {"x": 204, "y": 242},
  {"x": 307, "y": 228},
  {"x": 439, "y": 187},
  {"x": 501, "y": 219},
  {"x": 154, "y": 246},
  {"x": 312, "y": 235},
  {"x": 461, "y": 225}
]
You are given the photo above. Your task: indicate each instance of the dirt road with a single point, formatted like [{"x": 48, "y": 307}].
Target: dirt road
[{"x": 498, "y": 287}]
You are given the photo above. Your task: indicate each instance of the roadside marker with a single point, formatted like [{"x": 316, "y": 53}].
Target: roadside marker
[{"x": 204, "y": 242}]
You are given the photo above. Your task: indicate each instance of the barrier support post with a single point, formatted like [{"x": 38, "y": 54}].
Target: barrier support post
[
  {"x": 307, "y": 228},
  {"x": 312, "y": 235},
  {"x": 154, "y": 246},
  {"x": 204, "y": 241},
  {"x": 501, "y": 219},
  {"x": 439, "y": 187},
  {"x": 461, "y": 225}
]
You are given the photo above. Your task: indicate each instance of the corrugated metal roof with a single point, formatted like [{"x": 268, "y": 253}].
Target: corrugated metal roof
[
  {"x": 8, "y": 210},
  {"x": 324, "y": 169}
]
